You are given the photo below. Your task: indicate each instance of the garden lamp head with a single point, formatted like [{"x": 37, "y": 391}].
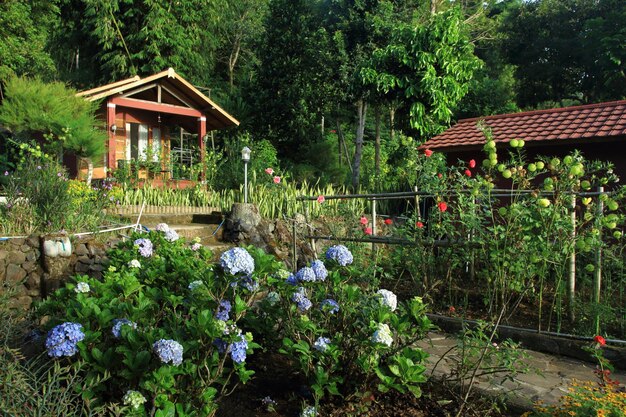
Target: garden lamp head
[{"x": 245, "y": 154}]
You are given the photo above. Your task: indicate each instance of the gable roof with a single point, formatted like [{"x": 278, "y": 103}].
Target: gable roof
[
  {"x": 167, "y": 87},
  {"x": 601, "y": 120}
]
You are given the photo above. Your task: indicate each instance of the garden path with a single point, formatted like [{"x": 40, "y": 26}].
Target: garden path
[{"x": 547, "y": 381}]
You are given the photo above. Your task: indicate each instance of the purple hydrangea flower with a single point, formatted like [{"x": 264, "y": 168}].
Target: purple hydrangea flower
[
  {"x": 223, "y": 310},
  {"x": 250, "y": 283},
  {"x": 329, "y": 305},
  {"x": 171, "y": 235},
  {"x": 145, "y": 247},
  {"x": 237, "y": 260},
  {"x": 162, "y": 227},
  {"x": 300, "y": 298},
  {"x": 169, "y": 351},
  {"x": 305, "y": 274},
  {"x": 321, "y": 343},
  {"x": 320, "y": 270},
  {"x": 196, "y": 246},
  {"x": 340, "y": 254},
  {"x": 63, "y": 339},
  {"x": 238, "y": 350},
  {"x": 117, "y": 326}
]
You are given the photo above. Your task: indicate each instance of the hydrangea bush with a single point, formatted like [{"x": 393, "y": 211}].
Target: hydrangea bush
[
  {"x": 166, "y": 329},
  {"x": 347, "y": 336},
  {"x": 172, "y": 333}
]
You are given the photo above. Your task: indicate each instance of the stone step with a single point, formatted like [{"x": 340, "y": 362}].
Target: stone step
[
  {"x": 154, "y": 219},
  {"x": 208, "y": 233}
]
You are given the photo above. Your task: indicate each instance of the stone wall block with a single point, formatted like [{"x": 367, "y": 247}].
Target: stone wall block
[
  {"x": 31, "y": 255},
  {"x": 16, "y": 257},
  {"x": 81, "y": 250},
  {"x": 29, "y": 266},
  {"x": 18, "y": 242},
  {"x": 3, "y": 254},
  {"x": 14, "y": 274}
]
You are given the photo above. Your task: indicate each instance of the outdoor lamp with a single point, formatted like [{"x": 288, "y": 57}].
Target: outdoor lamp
[{"x": 245, "y": 155}]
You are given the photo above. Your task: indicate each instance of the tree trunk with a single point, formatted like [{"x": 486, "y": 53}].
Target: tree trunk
[
  {"x": 392, "y": 118},
  {"x": 89, "y": 168},
  {"x": 358, "y": 149},
  {"x": 377, "y": 148}
]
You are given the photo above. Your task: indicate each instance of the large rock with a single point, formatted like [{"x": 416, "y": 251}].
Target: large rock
[{"x": 16, "y": 257}]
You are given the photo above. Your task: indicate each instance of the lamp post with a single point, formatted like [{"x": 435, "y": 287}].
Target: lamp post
[{"x": 245, "y": 155}]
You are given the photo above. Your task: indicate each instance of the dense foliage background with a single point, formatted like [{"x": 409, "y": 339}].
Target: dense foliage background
[{"x": 334, "y": 78}]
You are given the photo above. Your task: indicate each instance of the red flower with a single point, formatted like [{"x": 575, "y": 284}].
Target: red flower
[
  {"x": 321, "y": 199},
  {"x": 388, "y": 221},
  {"x": 600, "y": 340},
  {"x": 333, "y": 131},
  {"x": 439, "y": 175},
  {"x": 428, "y": 153},
  {"x": 276, "y": 179},
  {"x": 363, "y": 220},
  {"x": 368, "y": 231},
  {"x": 442, "y": 206},
  {"x": 452, "y": 309},
  {"x": 468, "y": 172},
  {"x": 269, "y": 171},
  {"x": 472, "y": 163},
  {"x": 419, "y": 225}
]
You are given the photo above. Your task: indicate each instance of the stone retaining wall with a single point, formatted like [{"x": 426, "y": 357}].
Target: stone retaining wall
[{"x": 29, "y": 272}]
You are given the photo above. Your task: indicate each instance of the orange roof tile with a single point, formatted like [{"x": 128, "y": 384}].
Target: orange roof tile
[{"x": 601, "y": 120}]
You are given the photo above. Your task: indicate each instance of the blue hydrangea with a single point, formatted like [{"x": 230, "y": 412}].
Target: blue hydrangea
[
  {"x": 321, "y": 344},
  {"x": 340, "y": 254},
  {"x": 237, "y": 260},
  {"x": 223, "y": 310},
  {"x": 169, "y": 351},
  {"x": 145, "y": 247},
  {"x": 292, "y": 280},
  {"x": 221, "y": 345},
  {"x": 63, "y": 339},
  {"x": 117, "y": 326},
  {"x": 300, "y": 298},
  {"x": 305, "y": 274},
  {"x": 250, "y": 283},
  {"x": 238, "y": 350},
  {"x": 171, "y": 235},
  {"x": 320, "y": 270},
  {"x": 329, "y": 305}
]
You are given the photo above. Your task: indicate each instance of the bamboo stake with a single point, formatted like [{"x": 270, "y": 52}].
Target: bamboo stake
[
  {"x": 572, "y": 264},
  {"x": 597, "y": 279}
]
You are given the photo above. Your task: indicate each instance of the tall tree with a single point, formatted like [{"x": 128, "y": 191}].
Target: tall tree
[
  {"x": 292, "y": 88},
  {"x": 24, "y": 30},
  {"x": 567, "y": 50}
]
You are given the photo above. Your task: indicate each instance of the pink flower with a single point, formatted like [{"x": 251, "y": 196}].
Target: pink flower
[
  {"x": 368, "y": 231},
  {"x": 439, "y": 175},
  {"x": 321, "y": 199},
  {"x": 468, "y": 172},
  {"x": 333, "y": 131},
  {"x": 452, "y": 309},
  {"x": 442, "y": 206},
  {"x": 388, "y": 221},
  {"x": 276, "y": 179},
  {"x": 269, "y": 171},
  {"x": 428, "y": 153},
  {"x": 472, "y": 163},
  {"x": 419, "y": 225},
  {"x": 600, "y": 340},
  {"x": 363, "y": 220}
]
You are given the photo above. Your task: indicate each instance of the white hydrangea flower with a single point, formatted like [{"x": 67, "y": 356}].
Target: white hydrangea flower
[
  {"x": 134, "y": 399},
  {"x": 383, "y": 335},
  {"x": 162, "y": 227},
  {"x": 82, "y": 288},
  {"x": 195, "y": 284},
  {"x": 134, "y": 264},
  {"x": 389, "y": 299}
]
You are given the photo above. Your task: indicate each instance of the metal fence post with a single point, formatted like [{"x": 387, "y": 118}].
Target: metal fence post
[
  {"x": 373, "y": 222},
  {"x": 597, "y": 278}
]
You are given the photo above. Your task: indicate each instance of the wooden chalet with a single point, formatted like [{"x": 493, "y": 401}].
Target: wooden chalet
[
  {"x": 141, "y": 115},
  {"x": 597, "y": 130}
]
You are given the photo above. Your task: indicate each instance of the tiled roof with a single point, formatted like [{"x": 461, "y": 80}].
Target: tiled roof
[{"x": 602, "y": 120}]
